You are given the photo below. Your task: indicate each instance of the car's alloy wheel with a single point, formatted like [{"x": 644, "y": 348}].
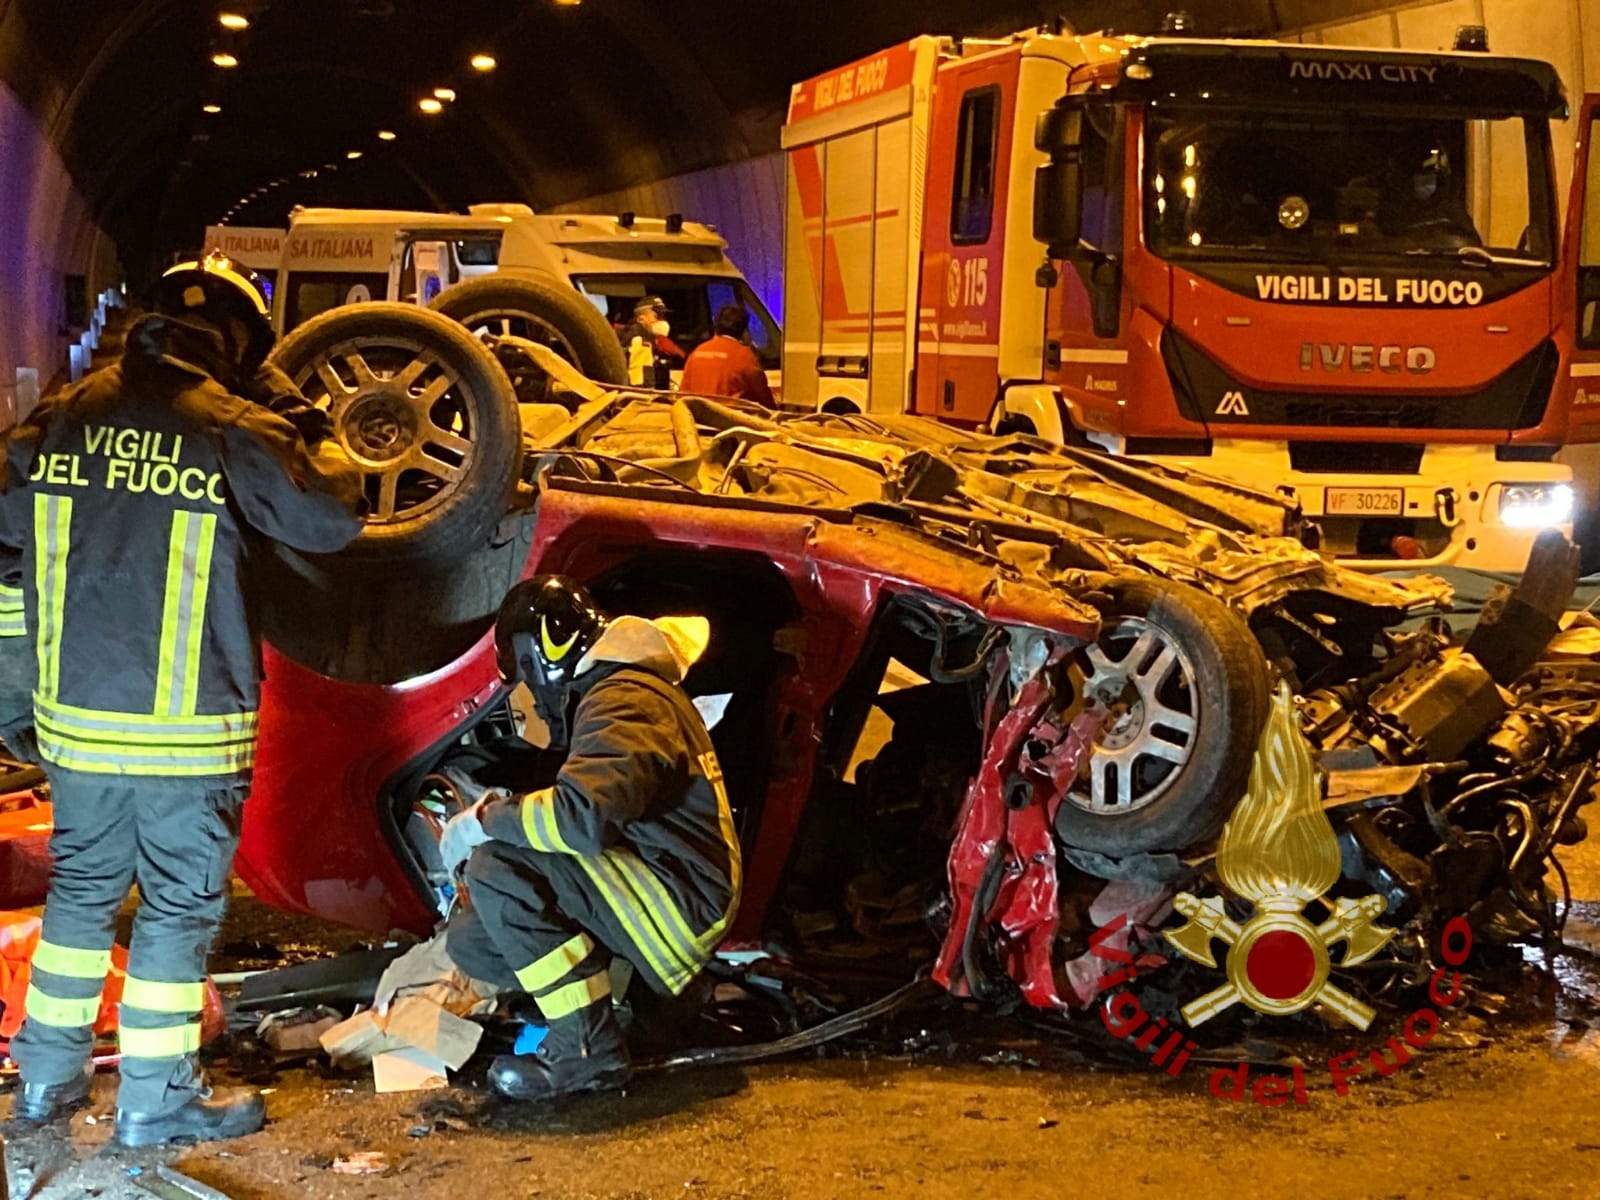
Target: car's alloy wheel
[{"x": 1147, "y": 684}]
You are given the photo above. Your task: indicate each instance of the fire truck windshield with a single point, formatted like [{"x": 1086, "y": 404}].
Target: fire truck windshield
[{"x": 1347, "y": 187}]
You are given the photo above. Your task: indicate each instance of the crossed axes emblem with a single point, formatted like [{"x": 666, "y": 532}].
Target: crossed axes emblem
[
  {"x": 1279, "y": 852},
  {"x": 1265, "y": 989}
]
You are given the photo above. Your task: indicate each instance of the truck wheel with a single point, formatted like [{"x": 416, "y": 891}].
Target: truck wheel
[
  {"x": 1186, "y": 686},
  {"x": 427, "y": 414},
  {"x": 1009, "y": 424},
  {"x": 554, "y": 314}
]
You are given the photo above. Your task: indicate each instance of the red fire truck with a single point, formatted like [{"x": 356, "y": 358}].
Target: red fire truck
[{"x": 1334, "y": 271}]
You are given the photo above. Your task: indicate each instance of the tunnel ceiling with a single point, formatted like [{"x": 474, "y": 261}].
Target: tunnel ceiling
[{"x": 587, "y": 97}]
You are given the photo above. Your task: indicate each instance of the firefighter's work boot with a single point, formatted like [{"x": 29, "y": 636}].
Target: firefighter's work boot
[
  {"x": 43, "y": 1103},
  {"x": 582, "y": 1053},
  {"x": 211, "y": 1116}
]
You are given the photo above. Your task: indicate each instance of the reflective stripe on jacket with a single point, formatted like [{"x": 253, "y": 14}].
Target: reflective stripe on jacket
[
  {"x": 133, "y": 507},
  {"x": 641, "y": 806}
]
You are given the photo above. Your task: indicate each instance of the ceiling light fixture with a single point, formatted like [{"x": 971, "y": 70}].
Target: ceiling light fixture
[
  {"x": 353, "y": 155},
  {"x": 445, "y": 94},
  {"x": 224, "y": 60},
  {"x": 430, "y": 106},
  {"x": 212, "y": 109},
  {"x": 386, "y": 135},
  {"x": 484, "y": 62},
  {"x": 234, "y": 21}
]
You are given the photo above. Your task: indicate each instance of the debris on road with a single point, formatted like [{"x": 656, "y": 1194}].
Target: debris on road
[
  {"x": 296, "y": 1030},
  {"x": 357, "y": 1041},
  {"x": 169, "y": 1184},
  {"x": 418, "y": 1029},
  {"x": 434, "y": 1030},
  {"x": 365, "y": 1162},
  {"x": 351, "y": 978},
  {"x": 426, "y": 970},
  {"x": 408, "y": 1070}
]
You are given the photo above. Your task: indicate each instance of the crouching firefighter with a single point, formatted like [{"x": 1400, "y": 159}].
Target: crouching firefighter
[
  {"x": 134, "y": 508},
  {"x": 631, "y": 852}
]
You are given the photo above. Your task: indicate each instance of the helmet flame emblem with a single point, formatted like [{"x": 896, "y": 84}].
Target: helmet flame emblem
[
  {"x": 552, "y": 651},
  {"x": 1279, "y": 853}
]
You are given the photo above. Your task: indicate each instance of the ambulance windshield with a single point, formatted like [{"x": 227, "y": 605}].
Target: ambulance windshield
[
  {"x": 1347, "y": 187},
  {"x": 693, "y": 302}
]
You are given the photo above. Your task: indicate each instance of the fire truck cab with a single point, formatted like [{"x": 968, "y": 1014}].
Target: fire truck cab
[{"x": 1333, "y": 271}]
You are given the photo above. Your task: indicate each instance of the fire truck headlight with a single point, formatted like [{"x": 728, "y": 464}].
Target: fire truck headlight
[{"x": 1535, "y": 505}]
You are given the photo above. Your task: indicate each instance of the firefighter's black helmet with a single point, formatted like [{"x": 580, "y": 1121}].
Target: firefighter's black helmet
[
  {"x": 545, "y": 627},
  {"x": 219, "y": 291}
]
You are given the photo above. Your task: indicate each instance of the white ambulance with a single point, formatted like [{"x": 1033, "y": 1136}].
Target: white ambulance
[{"x": 492, "y": 269}]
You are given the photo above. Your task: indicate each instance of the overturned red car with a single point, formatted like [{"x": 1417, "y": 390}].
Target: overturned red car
[{"x": 968, "y": 685}]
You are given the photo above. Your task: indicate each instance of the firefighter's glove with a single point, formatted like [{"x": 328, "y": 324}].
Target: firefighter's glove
[
  {"x": 275, "y": 390},
  {"x": 314, "y": 425},
  {"x": 464, "y": 832},
  {"x": 462, "y": 835}
]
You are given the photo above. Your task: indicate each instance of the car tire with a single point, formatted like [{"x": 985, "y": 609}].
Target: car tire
[
  {"x": 553, "y": 313},
  {"x": 1201, "y": 664},
  {"x": 440, "y": 472}
]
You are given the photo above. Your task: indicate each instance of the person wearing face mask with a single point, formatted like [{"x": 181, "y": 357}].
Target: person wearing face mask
[
  {"x": 1424, "y": 204},
  {"x": 132, "y": 509},
  {"x": 618, "y": 842},
  {"x": 647, "y": 341}
]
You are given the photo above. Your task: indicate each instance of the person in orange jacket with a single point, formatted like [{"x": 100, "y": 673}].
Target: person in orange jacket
[{"x": 725, "y": 365}]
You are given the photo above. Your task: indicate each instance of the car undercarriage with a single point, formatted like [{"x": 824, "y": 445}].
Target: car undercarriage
[{"x": 980, "y": 699}]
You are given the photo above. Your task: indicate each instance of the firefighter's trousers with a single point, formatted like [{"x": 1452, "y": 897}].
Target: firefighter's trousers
[
  {"x": 176, "y": 838},
  {"x": 538, "y": 922}
]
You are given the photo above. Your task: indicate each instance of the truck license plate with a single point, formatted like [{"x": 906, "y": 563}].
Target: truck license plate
[{"x": 1364, "y": 502}]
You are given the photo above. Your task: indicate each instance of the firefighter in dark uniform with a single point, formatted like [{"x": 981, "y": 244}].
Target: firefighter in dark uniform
[
  {"x": 134, "y": 507},
  {"x": 630, "y": 852}
]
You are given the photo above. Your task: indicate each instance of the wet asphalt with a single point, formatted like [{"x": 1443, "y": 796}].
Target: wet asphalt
[{"x": 1503, "y": 1102}]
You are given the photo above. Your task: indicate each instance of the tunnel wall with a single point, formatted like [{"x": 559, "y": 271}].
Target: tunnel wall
[
  {"x": 46, "y": 234},
  {"x": 743, "y": 200}
]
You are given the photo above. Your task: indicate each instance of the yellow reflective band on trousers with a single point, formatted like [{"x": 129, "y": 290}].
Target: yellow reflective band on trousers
[
  {"x": 183, "y": 615},
  {"x": 556, "y": 965},
  {"x": 172, "y": 1042},
  {"x": 621, "y": 881},
  {"x": 122, "y": 743},
  {"x": 574, "y": 997},
  {"x": 52, "y": 540},
  {"x": 62, "y": 1014},
  {"x": 539, "y": 823},
  {"x": 71, "y": 963},
  {"x": 152, "y": 996},
  {"x": 13, "y": 614}
]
